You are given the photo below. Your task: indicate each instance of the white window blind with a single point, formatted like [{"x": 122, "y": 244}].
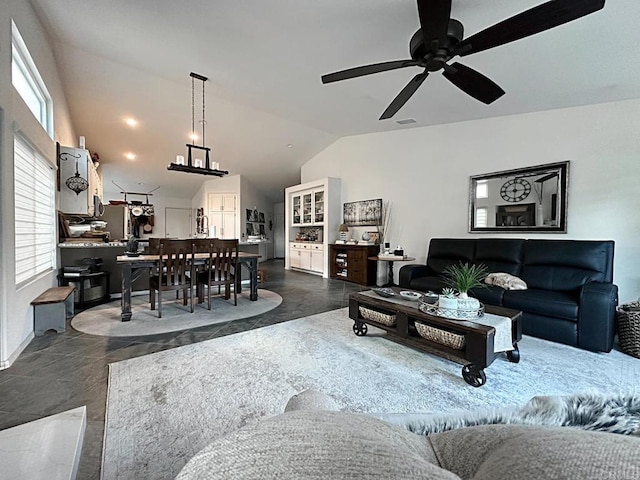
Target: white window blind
[
  {"x": 35, "y": 216},
  {"x": 481, "y": 217}
]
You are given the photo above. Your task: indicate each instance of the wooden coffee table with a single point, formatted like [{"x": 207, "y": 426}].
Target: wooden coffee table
[{"x": 478, "y": 351}]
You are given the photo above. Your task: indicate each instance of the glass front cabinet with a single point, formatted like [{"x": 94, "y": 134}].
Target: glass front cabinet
[
  {"x": 296, "y": 218},
  {"x": 307, "y": 208},
  {"x": 318, "y": 207}
]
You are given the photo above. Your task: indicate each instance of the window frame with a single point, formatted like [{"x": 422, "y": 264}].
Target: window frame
[{"x": 21, "y": 60}]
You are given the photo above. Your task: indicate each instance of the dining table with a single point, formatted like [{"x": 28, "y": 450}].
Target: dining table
[{"x": 135, "y": 266}]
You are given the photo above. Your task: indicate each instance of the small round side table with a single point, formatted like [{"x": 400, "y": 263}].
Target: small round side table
[{"x": 390, "y": 261}]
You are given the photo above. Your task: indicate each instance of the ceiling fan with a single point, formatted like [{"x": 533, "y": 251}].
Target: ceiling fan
[{"x": 440, "y": 38}]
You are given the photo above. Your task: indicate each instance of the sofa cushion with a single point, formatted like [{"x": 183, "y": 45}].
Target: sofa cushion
[
  {"x": 499, "y": 254},
  {"x": 543, "y": 302},
  {"x": 564, "y": 265},
  {"x": 317, "y": 445},
  {"x": 531, "y": 453},
  {"x": 444, "y": 252}
]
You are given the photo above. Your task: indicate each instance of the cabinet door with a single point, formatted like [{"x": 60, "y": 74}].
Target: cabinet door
[
  {"x": 317, "y": 261},
  {"x": 296, "y": 210},
  {"x": 221, "y": 202},
  {"x": 216, "y": 223},
  {"x": 222, "y": 224},
  {"x": 229, "y": 225},
  {"x": 294, "y": 254},
  {"x": 305, "y": 259},
  {"x": 307, "y": 208},
  {"x": 215, "y": 202},
  {"x": 318, "y": 207},
  {"x": 229, "y": 203}
]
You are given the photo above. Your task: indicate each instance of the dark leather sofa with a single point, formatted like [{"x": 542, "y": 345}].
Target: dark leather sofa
[{"x": 570, "y": 297}]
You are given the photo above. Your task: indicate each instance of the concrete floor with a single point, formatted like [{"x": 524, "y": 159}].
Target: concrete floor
[{"x": 58, "y": 372}]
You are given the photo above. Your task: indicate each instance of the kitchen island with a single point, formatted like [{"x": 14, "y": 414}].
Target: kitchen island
[{"x": 72, "y": 253}]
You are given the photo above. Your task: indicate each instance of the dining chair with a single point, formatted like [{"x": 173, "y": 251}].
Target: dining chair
[
  {"x": 220, "y": 270},
  {"x": 174, "y": 271}
]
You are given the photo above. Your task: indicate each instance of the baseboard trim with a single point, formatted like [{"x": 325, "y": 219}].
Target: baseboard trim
[{"x": 16, "y": 353}]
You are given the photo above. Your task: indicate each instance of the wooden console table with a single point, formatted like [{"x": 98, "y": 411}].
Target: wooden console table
[
  {"x": 352, "y": 263},
  {"x": 478, "y": 352}
]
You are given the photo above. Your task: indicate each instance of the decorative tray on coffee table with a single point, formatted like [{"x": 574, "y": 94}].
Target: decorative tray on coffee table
[{"x": 384, "y": 292}]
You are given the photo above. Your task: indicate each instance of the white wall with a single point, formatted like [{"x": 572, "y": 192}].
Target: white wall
[
  {"x": 251, "y": 198},
  {"x": 424, "y": 172},
  {"x": 16, "y": 313},
  {"x": 159, "y": 202}
]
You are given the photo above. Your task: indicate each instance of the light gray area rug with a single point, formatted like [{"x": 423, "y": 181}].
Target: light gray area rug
[
  {"x": 105, "y": 319},
  {"x": 163, "y": 408}
]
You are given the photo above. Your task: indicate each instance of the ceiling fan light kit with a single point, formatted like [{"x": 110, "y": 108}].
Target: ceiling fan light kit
[
  {"x": 440, "y": 38},
  {"x": 197, "y": 166}
]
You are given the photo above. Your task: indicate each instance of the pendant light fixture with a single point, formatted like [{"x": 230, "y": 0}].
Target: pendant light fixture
[
  {"x": 75, "y": 183},
  {"x": 197, "y": 165}
]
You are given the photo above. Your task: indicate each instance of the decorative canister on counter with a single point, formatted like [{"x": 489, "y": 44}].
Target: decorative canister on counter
[{"x": 132, "y": 245}]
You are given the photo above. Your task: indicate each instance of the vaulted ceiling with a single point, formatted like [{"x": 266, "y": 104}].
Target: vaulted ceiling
[{"x": 264, "y": 60}]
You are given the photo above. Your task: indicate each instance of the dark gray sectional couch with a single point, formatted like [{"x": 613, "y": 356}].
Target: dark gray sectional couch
[{"x": 570, "y": 297}]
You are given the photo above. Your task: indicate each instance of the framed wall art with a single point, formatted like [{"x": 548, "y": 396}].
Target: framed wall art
[{"x": 364, "y": 212}]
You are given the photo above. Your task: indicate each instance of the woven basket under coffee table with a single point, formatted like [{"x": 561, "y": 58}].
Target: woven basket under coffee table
[
  {"x": 629, "y": 328},
  {"x": 465, "y": 342}
]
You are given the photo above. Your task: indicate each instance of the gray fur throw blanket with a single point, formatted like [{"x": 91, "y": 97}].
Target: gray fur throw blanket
[{"x": 588, "y": 411}]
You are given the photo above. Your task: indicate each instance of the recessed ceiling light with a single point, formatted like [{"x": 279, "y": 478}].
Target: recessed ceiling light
[
  {"x": 290, "y": 145},
  {"x": 405, "y": 121},
  {"x": 130, "y": 156},
  {"x": 193, "y": 136},
  {"x": 141, "y": 183},
  {"x": 132, "y": 122}
]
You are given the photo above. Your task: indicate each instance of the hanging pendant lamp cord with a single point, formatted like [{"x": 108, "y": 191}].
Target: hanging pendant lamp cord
[
  {"x": 203, "y": 120},
  {"x": 193, "y": 111}
]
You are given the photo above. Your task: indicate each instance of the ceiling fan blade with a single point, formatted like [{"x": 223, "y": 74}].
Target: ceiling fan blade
[
  {"x": 527, "y": 23},
  {"x": 404, "y": 95},
  {"x": 434, "y": 20},
  {"x": 472, "y": 83},
  {"x": 367, "y": 70}
]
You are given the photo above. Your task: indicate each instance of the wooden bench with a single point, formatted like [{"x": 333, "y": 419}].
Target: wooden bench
[{"x": 51, "y": 309}]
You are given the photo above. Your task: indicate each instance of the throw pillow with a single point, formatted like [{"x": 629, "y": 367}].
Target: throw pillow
[{"x": 506, "y": 281}]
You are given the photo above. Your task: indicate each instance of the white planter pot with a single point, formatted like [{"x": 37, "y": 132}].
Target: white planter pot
[
  {"x": 468, "y": 303},
  {"x": 448, "y": 303}
]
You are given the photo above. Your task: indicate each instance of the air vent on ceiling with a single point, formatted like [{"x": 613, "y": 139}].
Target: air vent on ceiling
[{"x": 405, "y": 121}]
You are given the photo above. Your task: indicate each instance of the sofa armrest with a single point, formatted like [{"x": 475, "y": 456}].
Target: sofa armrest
[
  {"x": 597, "y": 316},
  {"x": 409, "y": 272}
]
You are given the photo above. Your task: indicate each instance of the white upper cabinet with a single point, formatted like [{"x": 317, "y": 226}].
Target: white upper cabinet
[{"x": 307, "y": 208}]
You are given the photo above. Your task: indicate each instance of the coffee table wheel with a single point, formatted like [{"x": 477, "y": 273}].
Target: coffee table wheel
[
  {"x": 474, "y": 375},
  {"x": 514, "y": 355},
  {"x": 360, "y": 328}
]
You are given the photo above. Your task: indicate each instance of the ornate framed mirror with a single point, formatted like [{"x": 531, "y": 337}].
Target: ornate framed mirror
[{"x": 531, "y": 199}]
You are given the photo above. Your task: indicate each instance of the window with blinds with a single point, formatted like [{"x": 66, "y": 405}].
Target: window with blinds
[
  {"x": 35, "y": 215},
  {"x": 481, "y": 217}
]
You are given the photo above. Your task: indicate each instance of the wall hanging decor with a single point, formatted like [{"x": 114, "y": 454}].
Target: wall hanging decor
[
  {"x": 75, "y": 183},
  {"x": 365, "y": 212}
]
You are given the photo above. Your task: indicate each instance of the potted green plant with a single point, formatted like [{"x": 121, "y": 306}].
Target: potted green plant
[{"x": 463, "y": 277}]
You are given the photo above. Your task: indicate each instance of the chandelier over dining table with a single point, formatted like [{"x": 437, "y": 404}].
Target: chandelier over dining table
[{"x": 197, "y": 165}]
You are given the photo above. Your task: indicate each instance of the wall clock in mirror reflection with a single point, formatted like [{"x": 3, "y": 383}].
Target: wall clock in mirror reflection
[{"x": 515, "y": 190}]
